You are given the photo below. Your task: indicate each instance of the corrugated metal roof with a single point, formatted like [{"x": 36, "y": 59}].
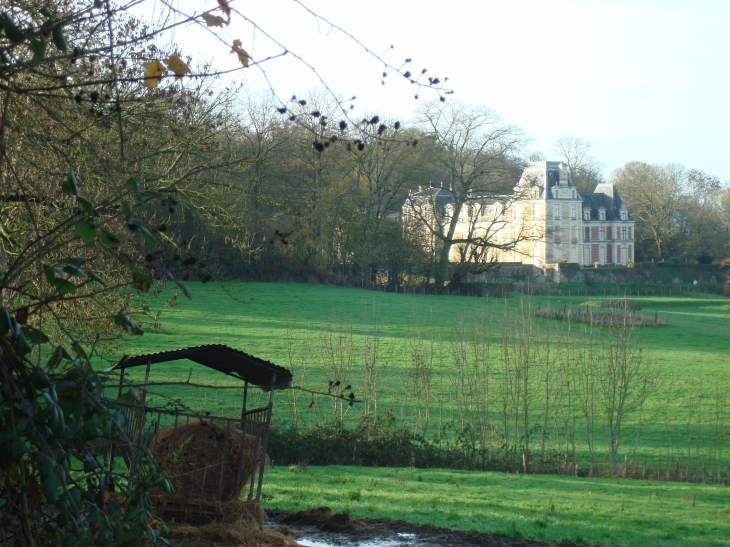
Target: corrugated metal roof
[{"x": 222, "y": 358}]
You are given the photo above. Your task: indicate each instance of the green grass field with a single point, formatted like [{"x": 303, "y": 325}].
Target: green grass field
[
  {"x": 696, "y": 342},
  {"x": 287, "y": 324},
  {"x": 552, "y": 508}
]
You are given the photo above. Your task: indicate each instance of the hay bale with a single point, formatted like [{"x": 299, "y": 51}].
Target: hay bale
[{"x": 208, "y": 461}]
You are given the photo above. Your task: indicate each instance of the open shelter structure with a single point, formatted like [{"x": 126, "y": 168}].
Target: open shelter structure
[{"x": 211, "y": 458}]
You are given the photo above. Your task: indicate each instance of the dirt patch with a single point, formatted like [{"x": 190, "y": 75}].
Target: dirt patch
[
  {"x": 321, "y": 517},
  {"x": 342, "y": 528}
]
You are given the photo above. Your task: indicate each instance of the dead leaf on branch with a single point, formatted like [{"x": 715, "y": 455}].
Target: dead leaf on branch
[
  {"x": 225, "y": 9},
  {"x": 153, "y": 72},
  {"x": 178, "y": 66},
  {"x": 243, "y": 57},
  {"x": 214, "y": 20}
]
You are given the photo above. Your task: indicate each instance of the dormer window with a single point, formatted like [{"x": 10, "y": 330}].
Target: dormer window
[
  {"x": 601, "y": 213},
  {"x": 586, "y": 214},
  {"x": 624, "y": 215}
]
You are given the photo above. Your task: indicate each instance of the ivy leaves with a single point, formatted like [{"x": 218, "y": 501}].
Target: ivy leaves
[
  {"x": 66, "y": 277},
  {"x": 38, "y": 38},
  {"x": 52, "y": 419},
  {"x": 90, "y": 228}
]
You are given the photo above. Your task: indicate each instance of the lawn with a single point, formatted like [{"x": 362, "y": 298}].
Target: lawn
[
  {"x": 552, "y": 508},
  {"x": 323, "y": 332}
]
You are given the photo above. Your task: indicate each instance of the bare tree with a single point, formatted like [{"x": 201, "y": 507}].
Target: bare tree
[
  {"x": 479, "y": 155},
  {"x": 653, "y": 194},
  {"x": 585, "y": 170},
  {"x": 625, "y": 379}
]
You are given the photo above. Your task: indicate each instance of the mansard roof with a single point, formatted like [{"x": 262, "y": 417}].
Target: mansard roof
[
  {"x": 544, "y": 174},
  {"x": 439, "y": 197},
  {"x": 605, "y": 195}
]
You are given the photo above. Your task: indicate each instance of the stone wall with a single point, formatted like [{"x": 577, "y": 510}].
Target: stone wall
[
  {"x": 664, "y": 273},
  {"x": 508, "y": 272}
]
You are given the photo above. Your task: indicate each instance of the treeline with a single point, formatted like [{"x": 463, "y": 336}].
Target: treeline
[
  {"x": 681, "y": 215},
  {"x": 307, "y": 197},
  {"x": 319, "y": 199},
  {"x": 538, "y": 397}
]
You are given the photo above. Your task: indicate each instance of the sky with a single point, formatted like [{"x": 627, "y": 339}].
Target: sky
[{"x": 642, "y": 80}]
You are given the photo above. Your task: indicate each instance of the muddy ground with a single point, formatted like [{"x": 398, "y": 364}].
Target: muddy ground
[{"x": 322, "y": 526}]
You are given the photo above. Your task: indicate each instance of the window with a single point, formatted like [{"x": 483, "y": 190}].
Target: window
[
  {"x": 586, "y": 214},
  {"x": 623, "y": 233},
  {"x": 624, "y": 215},
  {"x": 572, "y": 212},
  {"x": 587, "y": 235},
  {"x": 601, "y": 213},
  {"x": 630, "y": 234},
  {"x": 556, "y": 212},
  {"x": 602, "y": 235}
]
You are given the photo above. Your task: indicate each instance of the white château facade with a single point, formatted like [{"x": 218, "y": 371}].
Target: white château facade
[{"x": 546, "y": 216}]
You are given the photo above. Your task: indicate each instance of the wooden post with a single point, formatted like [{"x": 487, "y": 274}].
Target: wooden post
[
  {"x": 143, "y": 397},
  {"x": 245, "y": 399},
  {"x": 265, "y": 441},
  {"x": 113, "y": 446},
  {"x": 524, "y": 463}
]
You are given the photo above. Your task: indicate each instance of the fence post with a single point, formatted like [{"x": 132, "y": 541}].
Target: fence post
[{"x": 524, "y": 463}]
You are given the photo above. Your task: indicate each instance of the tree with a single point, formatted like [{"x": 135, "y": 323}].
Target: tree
[
  {"x": 480, "y": 156},
  {"x": 89, "y": 156},
  {"x": 624, "y": 379},
  {"x": 380, "y": 177},
  {"x": 105, "y": 140},
  {"x": 701, "y": 232},
  {"x": 584, "y": 169},
  {"x": 653, "y": 195}
]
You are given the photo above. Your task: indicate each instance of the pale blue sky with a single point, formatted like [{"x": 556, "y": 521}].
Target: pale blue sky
[{"x": 643, "y": 80}]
